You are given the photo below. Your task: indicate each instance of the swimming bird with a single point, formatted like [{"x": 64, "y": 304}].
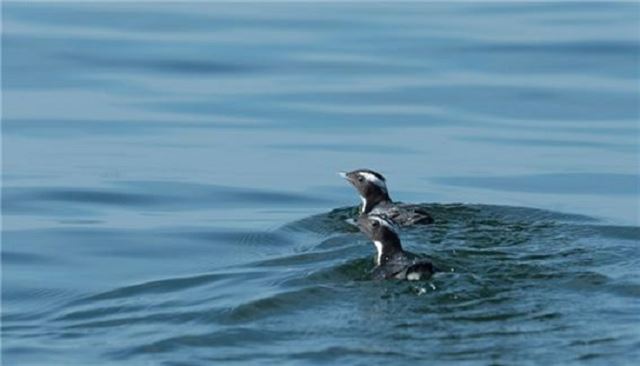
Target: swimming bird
[
  {"x": 372, "y": 188},
  {"x": 391, "y": 260}
]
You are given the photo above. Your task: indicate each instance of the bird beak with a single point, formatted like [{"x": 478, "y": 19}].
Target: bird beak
[{"x": 343, "y": 175}]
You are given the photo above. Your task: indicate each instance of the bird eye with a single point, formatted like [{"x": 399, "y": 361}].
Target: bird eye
[
  {"x": 375, "y": 224},
  {"x": 360, "y": 178}
]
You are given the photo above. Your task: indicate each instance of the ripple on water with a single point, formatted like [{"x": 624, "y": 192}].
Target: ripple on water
[
  {"x": 149, "y": 195},
  {"x": 509, "y": 274}
]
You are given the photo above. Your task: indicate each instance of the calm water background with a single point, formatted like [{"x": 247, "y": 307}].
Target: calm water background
[{"x": 162, "y": 163}]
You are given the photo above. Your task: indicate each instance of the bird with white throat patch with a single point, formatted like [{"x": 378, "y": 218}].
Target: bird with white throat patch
[
  {"x": 392, "y": 262},
  {"x": 373, "y": 191}
]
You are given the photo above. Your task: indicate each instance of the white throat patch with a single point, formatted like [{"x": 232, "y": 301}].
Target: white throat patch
[
  {"x": 364, "y": 204},
  {"x": 379, "y": 249},
  {"x": 375, "y": 180}
]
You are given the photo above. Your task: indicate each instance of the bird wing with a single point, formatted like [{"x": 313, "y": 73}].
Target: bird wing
[{"x": 406, "y": 215}]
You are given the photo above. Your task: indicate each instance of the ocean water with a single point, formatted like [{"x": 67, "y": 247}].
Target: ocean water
[{"x": 170, "y": 197}]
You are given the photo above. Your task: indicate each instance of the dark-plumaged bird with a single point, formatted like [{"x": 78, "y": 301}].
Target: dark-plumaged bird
[
  {"x": 391, "y": 260},
  {"x": 372, "y": 188}
]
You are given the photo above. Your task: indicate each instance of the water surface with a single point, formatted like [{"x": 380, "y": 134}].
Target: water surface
[{"x": 169, "y": 189}]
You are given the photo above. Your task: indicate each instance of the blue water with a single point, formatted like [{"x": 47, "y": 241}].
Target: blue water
[{"x": 170, "y": 194}]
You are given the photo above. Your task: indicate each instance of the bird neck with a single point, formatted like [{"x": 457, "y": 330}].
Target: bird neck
[
  {"x": 374, "y": 199},
  {"x": 386, "y": 247}
]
